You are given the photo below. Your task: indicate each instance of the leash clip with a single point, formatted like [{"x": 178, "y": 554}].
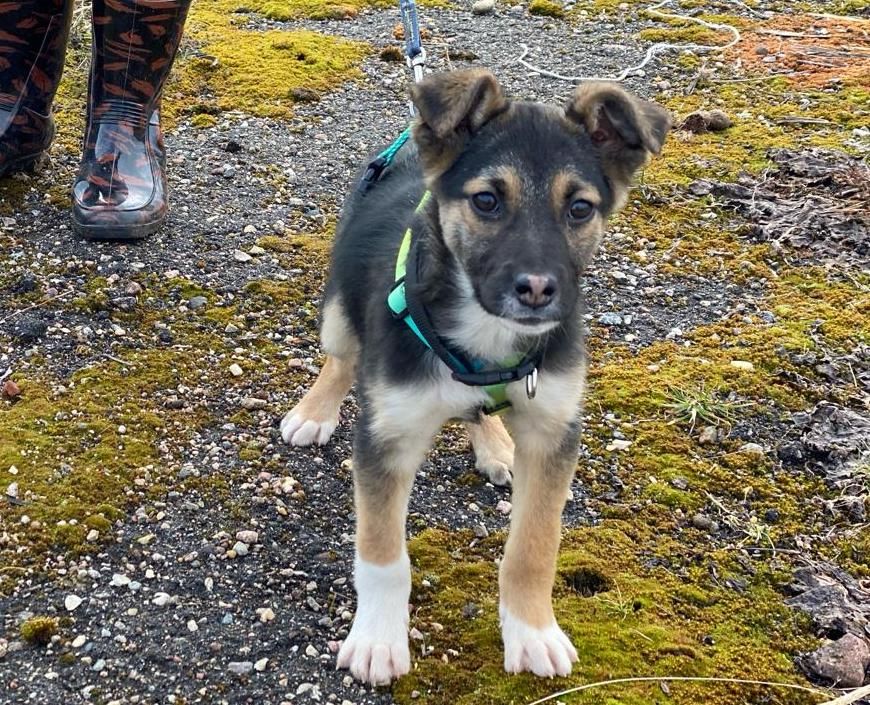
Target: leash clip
[{"x": 532, "y": 383}]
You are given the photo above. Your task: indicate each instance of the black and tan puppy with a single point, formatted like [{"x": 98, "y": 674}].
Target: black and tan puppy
[{"x": 520, "y": 193}]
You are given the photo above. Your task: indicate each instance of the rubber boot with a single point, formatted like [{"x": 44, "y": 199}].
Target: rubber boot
[
  {"x": 33, "y": 39},
  {"x": 121, "y": 192}
]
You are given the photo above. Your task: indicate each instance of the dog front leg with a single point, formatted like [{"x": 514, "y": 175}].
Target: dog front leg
[
  {"x": 376, "y": 650},
  {"x": 533, "y": 641}
]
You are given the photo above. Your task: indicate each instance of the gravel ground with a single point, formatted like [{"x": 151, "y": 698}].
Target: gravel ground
[{"x": 241, "y": 598}]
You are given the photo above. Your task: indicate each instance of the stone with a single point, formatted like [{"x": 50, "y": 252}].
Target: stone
[
  {"x": 830, "y": 608},
  {"x": 483, "y": 7},
  {"x": 249, "y": 537},
  {"x": 240, "y": 668},
  {"x": 241, "y": 548},
  {"x": 709, "y": 436},
  {"x": 842, "y": 662},
  {"x": 752, "y": 449},
  {"x": 236, "y": 370},
  {"x": 72, "y": 602},
  {"x": 119, "y": 580},
  {"x": 240, "y": 256},
  {"x": 260, "y": 665},
  {"x": 161, "y": 599},
  {"x": 480, "y": 531},
  {"x": 253, "y": 404},
  {"x": 79, "y": 641},
  {"x": 742, "y": 365},
  {"x": 702, "y": 522},
  {"x": 503, "y": 506},
  {"x": 197, "y": 302},
  {"x": 610, "y": 319}
]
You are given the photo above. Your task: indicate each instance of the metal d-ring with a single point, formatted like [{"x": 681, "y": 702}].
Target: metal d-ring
[{"x": 532, "y": 383}]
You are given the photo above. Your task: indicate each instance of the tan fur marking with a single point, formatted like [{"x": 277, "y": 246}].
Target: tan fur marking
[
  {"x": 567, "y": 184},
  {"x": 529, "y": 565},
  {"x": 504, "y": 179},
  {"x": 324, "y": 399},
  {"x": 380, "y": 524}
]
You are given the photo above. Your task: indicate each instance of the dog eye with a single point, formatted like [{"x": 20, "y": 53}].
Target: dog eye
[
  {"x": 485, "y": 202},
  {"x": 581, "y": 210}
]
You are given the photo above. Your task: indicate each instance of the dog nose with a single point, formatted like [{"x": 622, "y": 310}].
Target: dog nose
[{"x": 535, "y": 290}]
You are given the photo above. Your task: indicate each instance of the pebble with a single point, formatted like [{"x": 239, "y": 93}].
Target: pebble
[
  {"x": 842, "y": 662},
  {"x": 241, "y": 548},
  {"x": 742, "y": 365},
  {"x": 709, "y": 436},
  {"x": 311, "y": 651},
  {"x": 248, "y": 537},
  {"x": 752, "y": 448},
  {"x": 253, "y": 404},
  {"x": 266, "y": 614},
  {"x": 161, "y": 599},
  {"x": 703, "y": 522},
  {"x": 231, "y": 329},
  {"x": 79, "y": 641},
  {"x": 12, "y": 490},
  {"x": 192, "y": 626},
  {"x": 610, "y": 319},
  {"x": 93, "y": 535},
  {"x": 236, "y": 370},
  {"x": 480, "y": 531},
  {"x": 72, "y": 602},
  {"x": 240, "y": 668},
  {"x": 504, "y": 506},
  {"x": 119, "y": 580},
  {"x": 261, "y": 665},
  {"x": 240, "y": 256},
  {"x": 617, "y": 444},
  {"x": 99, "y": 665},
  {"x": 483, "y": 7}
]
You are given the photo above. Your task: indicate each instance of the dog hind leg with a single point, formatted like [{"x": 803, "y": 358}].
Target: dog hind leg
[{"x": 493, "y": 448}]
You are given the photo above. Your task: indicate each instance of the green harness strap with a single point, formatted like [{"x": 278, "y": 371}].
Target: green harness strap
[{"x": 397, "y": 302}]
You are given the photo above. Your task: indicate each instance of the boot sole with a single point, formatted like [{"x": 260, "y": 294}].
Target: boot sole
[{"x": 116, "y": 232}]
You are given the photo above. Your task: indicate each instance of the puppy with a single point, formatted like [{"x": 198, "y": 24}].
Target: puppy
[{"x": 503, "y": 204}]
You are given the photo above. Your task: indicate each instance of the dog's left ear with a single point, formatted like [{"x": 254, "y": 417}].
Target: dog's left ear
[
  {"x": 452, "y": 107},
  {"x": 626, "y": 128}
]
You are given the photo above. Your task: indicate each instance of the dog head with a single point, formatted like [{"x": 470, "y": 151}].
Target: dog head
[{"x": 524, "y": 190}]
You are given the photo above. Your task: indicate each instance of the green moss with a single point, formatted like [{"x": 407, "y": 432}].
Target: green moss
[
  {"x": 203, "y": 120},
  {"x": 39, "y": 630},
  {"x": 546, "y": 8},
  {"x": 256, "y": 72},
  {"x": 638, "y": 621}
]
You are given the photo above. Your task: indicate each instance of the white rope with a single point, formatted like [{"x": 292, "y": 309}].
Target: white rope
[
  {"x": 653, "y": 50},
  {"x": 846, "y": 699}
]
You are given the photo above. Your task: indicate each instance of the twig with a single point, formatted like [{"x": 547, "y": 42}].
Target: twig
[
  {"x": 117, "y": 359},
  {"x": 849, "y": 698},
  {"x": 651, "y": 52},
  {"x": 36, "y": 305},
  {"x": 693, "y": 679}
]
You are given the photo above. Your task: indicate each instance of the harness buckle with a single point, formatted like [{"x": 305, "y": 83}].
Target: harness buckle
[
  {"x": 532, "y": 383},
  {"x": 372, "y": 173}
]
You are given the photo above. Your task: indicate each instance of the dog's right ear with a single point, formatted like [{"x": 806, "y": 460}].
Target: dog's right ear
[{"x": 451, "y": 107}]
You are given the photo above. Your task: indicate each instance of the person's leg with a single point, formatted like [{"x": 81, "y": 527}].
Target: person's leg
[
  {"x": 120, "y": 192},
  {"x": 33, "y": 38}
]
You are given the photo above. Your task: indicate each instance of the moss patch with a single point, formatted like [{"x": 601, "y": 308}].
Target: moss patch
[
  {"x": 546, "y": 8},
  {"x": 39, "y": 630}
]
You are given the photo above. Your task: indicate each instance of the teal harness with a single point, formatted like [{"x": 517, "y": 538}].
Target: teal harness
[{"x": 414, "y": 315}]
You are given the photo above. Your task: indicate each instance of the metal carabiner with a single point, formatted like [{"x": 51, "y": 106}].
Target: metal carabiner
[{"x": 532, "y": 383}]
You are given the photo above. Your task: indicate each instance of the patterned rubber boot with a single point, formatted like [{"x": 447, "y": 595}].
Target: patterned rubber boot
[
  {"x": 33, "y": 38},
  {"x": 120, "y": 192}
]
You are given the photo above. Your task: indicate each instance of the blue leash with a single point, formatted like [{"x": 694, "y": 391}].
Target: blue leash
[{"x": 416, "y": 57}]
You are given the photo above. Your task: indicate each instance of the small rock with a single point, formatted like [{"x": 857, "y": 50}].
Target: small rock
[
  {"x": 236, "y": 370},
  {"x": 260, "y": 665},
  {"x": 99, "y": 665},
  {"x": 93, "y": 535},
  {"x": 240, "y": 256},
  {"x": 480, "y": 531},
  {"x": 503, "y": 506},
  {"x": 253, "y": 404},
  {"x": 231, "y": 328},
  {"x": 72, "y": 602},
  {"x": 192, "y": 626},
  {"x": 618, "y": 444},
  {"x": 709, "y": 436},
  {"x": 119, "y": 580},
  {"x": 762, "y": 50},
  {"x": 161, "y": 599},
  {"x": 311, "y": 651},
  {"x": 791, "y": 453},
  {"x": 79, "y": 641},
  {"x": 12, "y": 490},
  {"x": 483, "y": 7},
  {"x": 240, "y": 668},
  {"x": 241, "y": 548},
  {"x": 742, "y": 365},
  {"x": 4, "y": 648},
  {"x": 197, "y": 302},
  {"x": 249, "y": 537},
  {"x": 842, "y": 662},
  {"x": 681, "y": 483},
  {"x": 610, "y": 319},
  {"x": 10, "y": 390},
  {"x": 29, "y": 329},
  {"x": 266, "y": 614},
  {"x": 752, "y": 448},
  {"x": 702, "y": 522}
]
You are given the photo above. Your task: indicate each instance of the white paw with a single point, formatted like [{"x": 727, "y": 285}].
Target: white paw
[
  {"x": 297, "y": 430},
  {"x": 545, "y": 652},
  {"x": 376, "y": 650},
  {"x": 376, "y": 659},
  {"x": 498, "y": 472}
]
